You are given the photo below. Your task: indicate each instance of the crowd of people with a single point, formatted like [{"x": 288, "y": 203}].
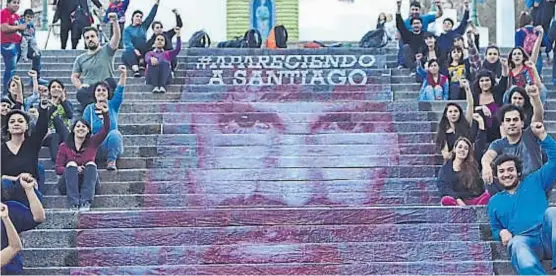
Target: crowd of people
[
  {"x": 496, "y": 152},
  {"x": 77, "y": 139}
]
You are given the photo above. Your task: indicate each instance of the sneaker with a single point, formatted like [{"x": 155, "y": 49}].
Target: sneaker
[
  {"x": 85, "y": 207},
  {"x": 74, "y": 208},
  {"x": 24, "y": 59},
  {"x": 136, "y": 74},
  {"x": 111, "y": 166},
  {"x": 156, "y": 89},
  {"x": 162, "y": 89}
]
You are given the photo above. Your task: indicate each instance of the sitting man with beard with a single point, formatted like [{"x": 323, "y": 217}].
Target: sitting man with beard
[
  {"x": 519, "y": 215},
  {"x": 96, "y": 64}
]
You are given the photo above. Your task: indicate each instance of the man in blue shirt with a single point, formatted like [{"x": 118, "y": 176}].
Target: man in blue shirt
[
  {"x": 415, "y": 11},
  {"x": 519, "y": 215}
]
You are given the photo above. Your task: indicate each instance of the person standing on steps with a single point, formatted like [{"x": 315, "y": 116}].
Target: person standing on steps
[
  {"x": 119, "y": 7},
  {"x": 168, "y": 36},
  {"x": 76, "y": 161},
  {"x": 74, "y": 16},
  {"x": 113, "y": 146},
  {"x": 10, "y": 40},
  {"x": 159, "y": 63},
  {"x": 135, "y": 40},
  {"x": 520, "y": 216},
  {"x": 96, "y": 64}
]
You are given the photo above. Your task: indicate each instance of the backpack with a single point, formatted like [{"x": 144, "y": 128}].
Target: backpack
[
  {"x": 234, "y": 43},
  {"x": 252, "y": 39},
  {"x": 374, "y": 39},
  {"x": 200, "y": 39},
  {"x": 529, "y": 40},
  {"x": 277, "y": 38}
]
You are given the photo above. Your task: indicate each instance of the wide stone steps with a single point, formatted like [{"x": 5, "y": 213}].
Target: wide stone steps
[{"x": 429, "y": 268}]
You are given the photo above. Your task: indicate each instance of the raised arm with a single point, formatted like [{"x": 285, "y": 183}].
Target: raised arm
[
  {"x": 116, "y": 101},
  {"x": 179, "y": 23},
  {"x": 14, "y": 242},
  {"x": 404, "y": 32},
  {"x": 538, "y": 42},
  {"x": 546, "y": 175},
  {"x": 174, "y": 53},
  {"x": 98, "y": 138},
  {"x": 115, "y": 40},
  {"x": 474, "y": 57},
  {"x": 469, "y": 100},
  {"x": 464, "y": 21},
  {"x": 150, "y": 18},
  {"x": 37, "y": 210},
  {"x": 41, "y": 127},
  {"x": 535, "y": 99}
]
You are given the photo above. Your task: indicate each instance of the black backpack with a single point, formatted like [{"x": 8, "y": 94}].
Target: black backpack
[
  {"x": 374, "y": 39},
  {"x": 200, "y": 39},
  {"x": 281, "y": 36},
  {"x": 252, "y": 39},
  {"x": 237, "y": 42}
]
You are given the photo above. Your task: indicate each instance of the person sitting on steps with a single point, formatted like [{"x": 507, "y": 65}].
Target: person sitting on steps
[
  {"x": 526, "y": 231},
  {"x": 95, "y": 65},
  {"x": 459, "y": 180},
  {"x": 159, "y": 63},
  {"x": 76, "y": 162},
  {"x": 168, "y": 35},
  {"x": 135, "y": 40},
  {"x": 113, "y": 146}
]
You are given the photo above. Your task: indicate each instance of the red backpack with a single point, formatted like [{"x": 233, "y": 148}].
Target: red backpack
[{"x": 529, "y": 41}]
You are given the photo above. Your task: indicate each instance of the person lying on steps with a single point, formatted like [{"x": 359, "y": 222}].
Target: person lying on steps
[{"x": 520, "y": 216}]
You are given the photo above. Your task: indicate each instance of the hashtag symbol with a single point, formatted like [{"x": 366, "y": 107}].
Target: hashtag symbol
[{"x": 203, "y": 62}]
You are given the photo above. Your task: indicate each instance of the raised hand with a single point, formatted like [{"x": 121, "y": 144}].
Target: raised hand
[
  {"x": 504, "y": 62},
  {"x": 464, "y": 84},
  {"x": 3, "y": 210},
  {"x": 113, "y": 17},
  {"x": 103, "y": 107},
  {"x": 122, "y": 69},
  {"x": 532, "y": 90},
  {"x": 539, "y": 130},
  {"x": 32, "y": 74},
  {"x": 27, "y": 181}
]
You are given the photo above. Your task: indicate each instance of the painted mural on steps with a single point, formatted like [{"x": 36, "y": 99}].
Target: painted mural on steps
[{"x": 283, "y": 130}]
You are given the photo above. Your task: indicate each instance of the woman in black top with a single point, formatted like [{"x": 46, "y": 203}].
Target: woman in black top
[
  {"x": 488, "y": 98},
  {"x": 459, "y": 181},
  {"x": 20, "y": 154}
]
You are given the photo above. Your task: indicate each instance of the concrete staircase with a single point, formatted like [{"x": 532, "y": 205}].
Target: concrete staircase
[{"x": 306, "y": 177}]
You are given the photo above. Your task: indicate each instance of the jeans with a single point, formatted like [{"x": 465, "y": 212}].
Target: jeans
[
  {"x": 480, "y": 200},
  {"x": 400, "y": 53},
  {"x": 409, "y": 57},
  {"x": 11, "y": 53},
  {"x": 80, "y": 187},
  {"x": 431, "y": 94},
  {"x": 112, "y": 147},
  {"x": 14, "y": 192},
  {"x": 129, "y": 58},
  {"x": 539, "y": 63},
  {"x": 86, "y": 95},
  {"x": 159, "y": 75},
  {"x": 527, "y": 250}
]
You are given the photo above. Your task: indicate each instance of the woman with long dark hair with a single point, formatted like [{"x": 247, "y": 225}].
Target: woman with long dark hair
[
  {"x": 488, "y": 98},
  {"x": 459, "y": 181},
  {"x": 454, "y": 124},
  {"x": 61, "y": 114},
  {"x": 76, "y": 162}
]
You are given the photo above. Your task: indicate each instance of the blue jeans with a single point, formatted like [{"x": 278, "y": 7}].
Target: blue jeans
[
  {"x": 527, "y": 250},
  {"x": 11, "y": 53},
  {"x": 112, "y": 147}
]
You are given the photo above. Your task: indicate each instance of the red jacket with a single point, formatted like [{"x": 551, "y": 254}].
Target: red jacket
[{"x": 87, "y": 154}]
